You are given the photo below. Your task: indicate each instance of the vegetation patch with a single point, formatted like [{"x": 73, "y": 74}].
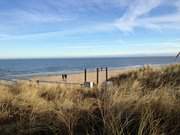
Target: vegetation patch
[{"x": 145, "y": 101}]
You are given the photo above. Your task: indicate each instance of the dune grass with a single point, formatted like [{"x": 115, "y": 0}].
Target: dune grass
[{"x": 145, "y": 101}]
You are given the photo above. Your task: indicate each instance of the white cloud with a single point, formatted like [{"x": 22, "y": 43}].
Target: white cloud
[
  {"x": 25, "y": 16},
  {"x": 57, "y": 11},
  {"x": 137, "y": 16},
  {"x": 99, "y": 27}
]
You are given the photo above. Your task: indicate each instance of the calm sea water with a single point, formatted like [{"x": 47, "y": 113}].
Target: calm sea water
[{"x": 12, "y": 69}]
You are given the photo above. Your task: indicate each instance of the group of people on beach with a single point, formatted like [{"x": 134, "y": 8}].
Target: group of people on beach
[{"x": 64, "y": 77}]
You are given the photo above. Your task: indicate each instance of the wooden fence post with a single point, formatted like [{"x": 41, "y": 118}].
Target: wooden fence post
[
  {"x": 85, "y": 75},
  {"x": 97, "y": 76},
  {"x": 106, "y": 73}
]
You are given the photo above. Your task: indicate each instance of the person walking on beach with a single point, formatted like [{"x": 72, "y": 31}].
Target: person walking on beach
[
  {"x": 37, "y": 81},
  {"x": 63, "y": 77}
]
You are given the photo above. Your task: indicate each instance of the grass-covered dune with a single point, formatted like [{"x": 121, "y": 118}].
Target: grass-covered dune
[{"x": 145, "y": 101}]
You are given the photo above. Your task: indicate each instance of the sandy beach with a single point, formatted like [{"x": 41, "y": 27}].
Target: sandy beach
[
  {"x": 75, "y": 78},
  {"x": 79, "y": 77}
]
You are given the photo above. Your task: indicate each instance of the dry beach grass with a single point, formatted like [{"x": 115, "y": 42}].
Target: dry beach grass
[{"x": 143, "y": 101}]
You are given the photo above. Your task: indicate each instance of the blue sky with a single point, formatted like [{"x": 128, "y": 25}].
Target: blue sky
[{"x": 79, "y": 28}]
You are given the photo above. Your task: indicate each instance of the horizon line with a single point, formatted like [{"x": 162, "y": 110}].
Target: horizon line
[{"x": 98, "y": 56}]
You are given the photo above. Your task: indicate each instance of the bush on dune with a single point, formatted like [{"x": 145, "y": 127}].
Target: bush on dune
[
  {"x": 143, "y": 102},
  {"x": 149, "y": 78}
]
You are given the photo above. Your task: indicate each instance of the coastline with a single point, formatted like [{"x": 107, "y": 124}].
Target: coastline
[{"x": 78, "y": 76}]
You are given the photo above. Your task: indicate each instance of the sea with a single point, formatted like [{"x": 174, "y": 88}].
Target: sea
[{"x": 24, "y": 68}]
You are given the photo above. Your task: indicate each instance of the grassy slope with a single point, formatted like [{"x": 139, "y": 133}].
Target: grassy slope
[{"x": 144, "y": 102}]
